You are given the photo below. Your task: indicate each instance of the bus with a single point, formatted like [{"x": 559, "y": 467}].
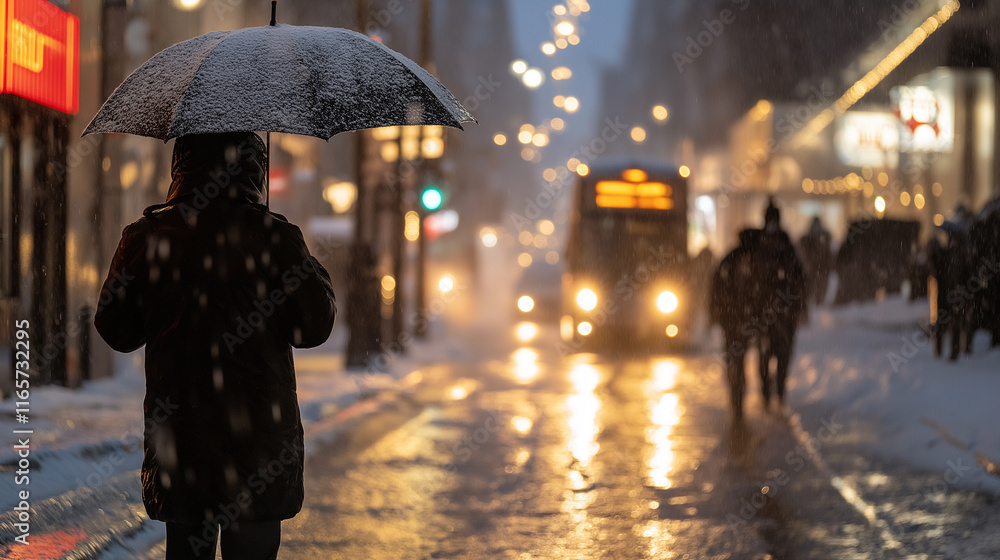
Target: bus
[{"x": 627, "y": 278}]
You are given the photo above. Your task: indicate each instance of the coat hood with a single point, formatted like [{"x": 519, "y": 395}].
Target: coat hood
[{"x": 232, "y": 165}]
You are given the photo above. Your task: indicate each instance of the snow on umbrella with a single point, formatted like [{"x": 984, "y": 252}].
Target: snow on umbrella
[{"x": 315, "y": 81}]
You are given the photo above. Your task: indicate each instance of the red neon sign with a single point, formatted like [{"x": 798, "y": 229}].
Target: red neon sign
[{"x": 39, "y": 49}]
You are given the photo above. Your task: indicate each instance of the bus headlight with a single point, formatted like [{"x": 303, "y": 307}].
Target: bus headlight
[
  {"x": 586, "y": 299},
  {"x": 666, "y": 301}
]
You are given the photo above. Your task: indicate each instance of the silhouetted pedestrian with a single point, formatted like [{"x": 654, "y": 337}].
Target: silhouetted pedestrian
[
  {"x": 816, "y": 257},
  {"x": 219, "y": 289},
  {"x": 757, "y": 296}
]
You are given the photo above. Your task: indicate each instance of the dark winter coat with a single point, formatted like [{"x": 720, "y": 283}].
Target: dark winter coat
[
  {"x": 219, "y": 290},
  {"x": 759, "y": 287}
]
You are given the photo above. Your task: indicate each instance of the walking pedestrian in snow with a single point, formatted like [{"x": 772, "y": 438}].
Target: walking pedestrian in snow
[
  {"x": 757, "y": 296},
  {"x": 219, "y": 289}
]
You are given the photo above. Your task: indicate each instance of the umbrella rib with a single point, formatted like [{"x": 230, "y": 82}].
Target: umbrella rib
[{"x": 194, "y": 76}]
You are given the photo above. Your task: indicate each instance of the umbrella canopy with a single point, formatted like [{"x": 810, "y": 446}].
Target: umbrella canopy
[{"x": 315, "y": 81}]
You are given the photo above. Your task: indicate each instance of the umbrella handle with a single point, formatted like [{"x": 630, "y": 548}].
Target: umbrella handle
[{"x": 274, "y": 7}]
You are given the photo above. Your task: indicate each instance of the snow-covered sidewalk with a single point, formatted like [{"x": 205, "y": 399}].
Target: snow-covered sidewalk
[{"x": 874, "y": 365}]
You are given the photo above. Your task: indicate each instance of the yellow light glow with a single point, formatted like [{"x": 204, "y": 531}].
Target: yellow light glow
[
  {"x": 446, "y": 283},
  {"x": 684, "y": 171},
  {"x": 559, "y": 101},
  {"x": 540, "y": 140},
  {"x": 660, "y": 113},
  {"x": 634, "y": 175},
  {"x": 879, "y": 204},
  {"x": 938, "y": 219},
  {"x": 550, "y": 175},
  {"x": 584, "y": 328},
  {"x": 524, "y": 137},
  {"x": 411, "y": 226},
  {"x": 586, "y": 299},
  {"x": 525, "y": 368},
  {"x": 128, "y": 174},
  {"x": 527, "y": 127},
  {"x": 561, "y": 73},
  {"x": 918, "y": 201},
  {"x": 188, "y": 4},
  {"x": 526, "y": 331},
  {"x": 572, "y": 164},
  {"x": 936, "y": 189},
  {"x": 638, "y": 134},
  {"x": 807, "y": 185},
  {"x": 533, "y": 78},
  {"x": 883, "y": 178},
  {"x": 525, "y": 303},
  {"x": 566, "y": 327},
  {"x": 458, "y": 393},
  {"x": 904, "y": 198},
  {"x": 525, "y": 237},
  {"x": 583, "y": 406},
  {"x": 519, "y": 66},
  {"x": 500, "y": 139},
  {"x": 521, "y": 424},
  {"x": 432, "y": 148},
  {"x": 540, "y": 241},
  {"x": 565, "y": 28},
  {"x": 571, "y": 105},
  {"x": 561, "y": 43},
  {"x": 552, "y": 257},
  {"x": 385, "y": 133},
  {"x": 549, "y": 48},
  {"x": 667, "y": 302},
  {"x": 546, "y": 227},
  {"x": 583, "y": 170},
  {"x": 524, "y": 260},
  {"x": 557, "y": 124},
  {"x": 527, "y": 154},
  {"x": 559, "y": 10},
  {"x": 388, "y": 283},
  {"x": 672, "y": 330},
  {"x": 389, "y": 152},
  {"x": 573, "y": 39}
]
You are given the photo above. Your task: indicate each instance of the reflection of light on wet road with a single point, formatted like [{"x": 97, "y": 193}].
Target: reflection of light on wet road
[
  {"x": 583, "y": 405},
  {"x": 522, "y": 424},
  {"x": 665, "y": 413},
  {"x": 526, "y": 331},
  {"x": 462, "y": 389},
  {"x": 525, "y": 365}
]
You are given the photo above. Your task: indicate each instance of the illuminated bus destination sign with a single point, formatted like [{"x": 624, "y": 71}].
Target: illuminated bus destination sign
[
  {"x": 651, "y": 195},
  {"x": 39, "y": 44}
]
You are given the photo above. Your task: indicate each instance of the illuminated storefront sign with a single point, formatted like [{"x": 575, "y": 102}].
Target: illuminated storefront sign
[
  {"x": 926, "y": 109},
  {"x": 39, "y": 44},
  {"x": 867, "y": 138}
]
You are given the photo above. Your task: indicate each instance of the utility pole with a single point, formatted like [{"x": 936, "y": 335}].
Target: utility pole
[
  {"x": 363, "y": 316},
  {"x": 427, "y": 61}
]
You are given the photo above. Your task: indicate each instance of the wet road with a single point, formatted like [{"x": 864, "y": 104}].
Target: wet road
[{"x": 525, "y": 454}]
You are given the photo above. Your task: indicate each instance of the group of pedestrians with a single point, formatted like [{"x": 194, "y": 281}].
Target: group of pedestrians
[{"x": 964, "y": 282}]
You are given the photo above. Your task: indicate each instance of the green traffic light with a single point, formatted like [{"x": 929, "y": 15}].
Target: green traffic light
[{"x": 431, "y": 198}]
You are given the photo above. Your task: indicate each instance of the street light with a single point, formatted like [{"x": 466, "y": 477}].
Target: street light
[{"x": 340, "y": 194}]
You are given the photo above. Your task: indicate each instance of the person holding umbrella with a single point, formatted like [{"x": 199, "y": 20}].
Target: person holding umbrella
[{"x": 219, "y": 288}]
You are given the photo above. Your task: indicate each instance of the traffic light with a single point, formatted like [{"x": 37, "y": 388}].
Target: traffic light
[{"x": 431, "y": 198}]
